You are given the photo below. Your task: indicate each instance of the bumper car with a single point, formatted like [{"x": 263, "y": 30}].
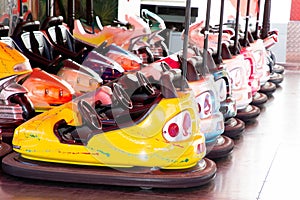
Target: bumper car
[
  {"x": 241, "y": 91},
  {"x": 206, "y": 93},
  {"x": 94, "y": 71},
  {"x": 100, "y": 57},
  {"x": 197, "y": 37},
  {"x": 257, "y": 72},
  {"x": 41, "y": 53},
  {"x": 15, "y": 106},
  {"x": 277, "y": 70},
  {"x": 238, "y": 68},
  {"x": 262, "y": 69},
  {"x": 156, "y": 41},
  {"x": 233, "y": 126},
  {"x": 269, "y": 40},
  {"x": 63, "y": 41},
  {"x": 126, "y": 59},
  {"x": 46, "y": 90},
  {"x": 251, "y": 65},
  {"x": 130, "y": 35},
  {"x": 108, "y": 137},
  {"x": 258, "y": 48},
  {"x": 109, "y": 62}
]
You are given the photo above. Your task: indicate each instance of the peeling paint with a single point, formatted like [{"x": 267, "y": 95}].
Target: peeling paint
[
  {"x": 185, "y": 161},
  {"x": 34, "y": 136},
  {"x": 29, "y": 150},
  {"x": 104, "y": 153},
  {"x": 177, "y": 145}
]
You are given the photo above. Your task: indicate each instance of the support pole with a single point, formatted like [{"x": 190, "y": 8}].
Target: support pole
[
  {"x": 71, "y": 15},
  {"x": 266, "y": 20},
  {"x": 247, "y": 24},
  {"x": 256, "y": 33},
  {"x": 185, "y": 41},
  {"x": 20, "y": 8},
  {"x": 236, "y": 28},
  {"x": 90, "y": 14},
  {"x": 50, "y": 8},
  {"x": 219, "y": 51},
  {"x": 206, "y": 33}
]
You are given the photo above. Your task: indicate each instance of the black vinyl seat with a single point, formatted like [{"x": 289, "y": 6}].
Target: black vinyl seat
[
  {"x": 63, "y": 41},
  {"x": 36, "y": 47},
  {"x": 4, "y": 30}
]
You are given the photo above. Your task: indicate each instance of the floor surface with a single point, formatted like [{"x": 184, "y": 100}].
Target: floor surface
[{"x": 264, "y": 164}]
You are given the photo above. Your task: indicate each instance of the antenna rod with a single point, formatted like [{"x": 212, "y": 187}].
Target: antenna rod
[
  {"x": 206, "y": 33},
  {"x": 247, "y": 24},
  {"x": 219, "y": 51},
  {"x": 185, "y": 41}
]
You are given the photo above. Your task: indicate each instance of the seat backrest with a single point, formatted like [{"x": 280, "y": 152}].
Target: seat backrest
[
  {"x": 60, "y": 36},
  {"x": 35, "y": 42},
  {"x": 4, "y": 30},
  {"x": 58, "y": 33},
  {"x": 32, "y": 43},
  {"x": 8, "y": 41}
]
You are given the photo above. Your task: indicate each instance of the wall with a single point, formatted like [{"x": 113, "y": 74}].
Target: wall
[
  {"x": 280, "y": 16},
  {"x": 131, "y": 7}
]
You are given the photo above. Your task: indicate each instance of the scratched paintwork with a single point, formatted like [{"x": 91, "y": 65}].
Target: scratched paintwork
[{"x": 10, "y": 57}]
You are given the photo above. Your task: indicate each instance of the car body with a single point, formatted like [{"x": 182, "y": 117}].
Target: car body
[
  {"x": 14, "y": 63},
  {"x": 129, "y": 35},
  {"x": 262, "y": 70},
  {"x": 206, "y": 94},
  {"x": 45, "y": 90},
  {"x": 153, "y": 138},
  {"x": 238, "y": 67}
]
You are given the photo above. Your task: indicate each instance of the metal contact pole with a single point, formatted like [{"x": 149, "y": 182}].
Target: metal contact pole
[
  {"x": 50, "y": 8},
  {"x": 185, "y": 41},
  {"x": 236, "y": 28},
  {"x": 71, "y": 15},
  {"x": 208, "y": 7},
  {"x": 219, "y": 51},
  {"x": 266, "y": 20},
  {"x": 20, "y": 8},
  {"x": 247, "y": 24},
  {"x": 90, "y": 14},
  {"x": 256, "y": 33}
]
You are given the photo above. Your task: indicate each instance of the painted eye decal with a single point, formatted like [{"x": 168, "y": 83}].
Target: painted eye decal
[
  {"x": 222, "y": 89},
  {"x": 236, "y": 77},
  {"x": 204, "y": 105}
]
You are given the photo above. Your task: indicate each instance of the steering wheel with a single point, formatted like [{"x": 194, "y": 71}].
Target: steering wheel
[
  {"x": 122, "y": 97},
  {"x": 89, "y": 115},
  {"x": 144, "y": 82}
]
